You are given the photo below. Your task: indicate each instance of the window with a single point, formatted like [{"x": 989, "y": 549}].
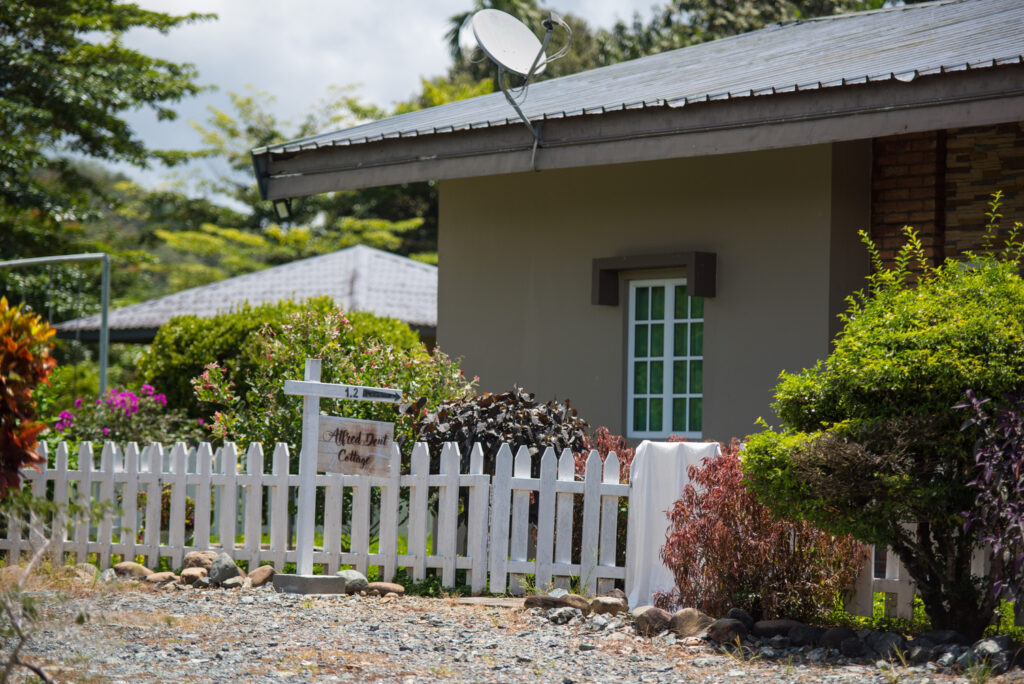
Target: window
[{"x": 666, "y": 360}]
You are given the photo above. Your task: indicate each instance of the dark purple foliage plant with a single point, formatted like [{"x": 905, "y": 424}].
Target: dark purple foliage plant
[{"x": 998, "y": 511}]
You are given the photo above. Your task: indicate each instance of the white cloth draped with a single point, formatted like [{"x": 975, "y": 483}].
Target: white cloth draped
[{"x": 657, "y": 477}]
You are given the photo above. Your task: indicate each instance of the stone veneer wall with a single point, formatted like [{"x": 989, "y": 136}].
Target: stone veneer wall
[{"x": 940, "y": 182}]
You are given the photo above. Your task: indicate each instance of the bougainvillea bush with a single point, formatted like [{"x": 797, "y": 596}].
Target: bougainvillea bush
[
  {"x": 25, "y": 362},
  {"x": 265, "y": 414},
  {"x": 124, "y": 416},
  {"x": 726, "y": 550}
]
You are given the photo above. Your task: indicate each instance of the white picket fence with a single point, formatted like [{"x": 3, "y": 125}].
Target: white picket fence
[{"x": 230, "y": 506}]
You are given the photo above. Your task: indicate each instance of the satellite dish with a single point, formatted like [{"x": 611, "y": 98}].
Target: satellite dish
[
  {"x": 508, "y": 42},
  {"x": 515, "y": 49}
]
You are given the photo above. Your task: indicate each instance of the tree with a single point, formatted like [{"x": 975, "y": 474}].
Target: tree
[
  {"x": 873, "y": 445},
  {"x": 67, "y": 80}
]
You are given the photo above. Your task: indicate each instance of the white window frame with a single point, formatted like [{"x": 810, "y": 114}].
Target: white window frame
[{"x": 668, "y": 358}]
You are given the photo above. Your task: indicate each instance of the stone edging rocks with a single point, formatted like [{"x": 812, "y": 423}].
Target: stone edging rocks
[{"x": 784, "y": 640}]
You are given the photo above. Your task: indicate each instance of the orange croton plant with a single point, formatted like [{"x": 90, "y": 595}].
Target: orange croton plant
[{"x": 25, "y": 362}]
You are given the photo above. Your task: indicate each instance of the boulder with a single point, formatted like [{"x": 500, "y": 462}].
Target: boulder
[
  {"x": 920, "y": 653},
  {"x": 108, "y": 575},
  {"x": 199, "y": 559},
  {"x": 131, "y": 570},
  {"x": 852, "y": 647},
  {"x": 946, "y": 636},
  {"x": 160, "y": 578},
  {"x": 384, "y": 588},
  {"x": 652, "y": 621},
  {"x": 805, "y": 635},
  {"x": 741, "y": 615},
  {"x": 236, "y": 582},
  {"x": 543, "y": 601},
  {"x": 558, "y": 592},
  {"x": 769, "y": 628},
  {"x": 263, "y": 575},
  {"x": 190, "y": 575},
  {"x": 886, "y": 644},
  {"x": 223, "y": 568},
  {"x": 355, "y": 581},
  {"x": 608, "y": 605},
  {"x": 833, "y": 638},
  {"x": 615, "y": 593},
  {"x": 87, "y": 570},
  {"x": 727, "y": 630},
  {"x": 690, "y": 622},
  {"x": 578, "y": 602}
]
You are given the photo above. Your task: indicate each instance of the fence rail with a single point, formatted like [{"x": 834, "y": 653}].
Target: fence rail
[{"x": 409, "y": 521}]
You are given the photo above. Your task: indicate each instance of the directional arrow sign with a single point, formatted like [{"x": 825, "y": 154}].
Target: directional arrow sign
[{"x": 351, "y": 392}]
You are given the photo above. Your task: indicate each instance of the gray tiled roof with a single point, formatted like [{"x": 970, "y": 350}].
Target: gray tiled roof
[
  {"x": 358, "y": 278},
  {"x": 900, "y": 43}
]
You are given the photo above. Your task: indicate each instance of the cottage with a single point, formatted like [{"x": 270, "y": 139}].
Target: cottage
[{"x": 688, "y": 226}]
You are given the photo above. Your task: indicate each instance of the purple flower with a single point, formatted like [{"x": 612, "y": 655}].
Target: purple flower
[
  {"x": 106, "y": 431},
  {"x": 160, "y": 399},
  {"x": 201, "y": 421},
  {"x": 147, "y": 390},
  {"x": 78, "y": 402}
]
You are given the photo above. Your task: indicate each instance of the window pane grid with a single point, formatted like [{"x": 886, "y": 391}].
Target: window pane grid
[{"x": 666, "y": 341}]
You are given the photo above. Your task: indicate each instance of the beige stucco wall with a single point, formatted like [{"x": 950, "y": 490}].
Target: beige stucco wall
[{"x": 515, "y": 272}]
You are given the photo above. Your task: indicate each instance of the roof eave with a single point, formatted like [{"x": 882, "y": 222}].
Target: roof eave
[{"x": 758, "y": 122}]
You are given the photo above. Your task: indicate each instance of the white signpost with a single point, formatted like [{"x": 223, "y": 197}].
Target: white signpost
[{"x": 312, "y": 390}]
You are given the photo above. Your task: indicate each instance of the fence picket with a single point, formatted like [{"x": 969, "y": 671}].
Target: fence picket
[
  {"x": 39, "y": 491},
  {"x": 519, "y": 540},
  {"x": 254, "y": 504},
  {"x": 106, "y": 493},
  {"x": 59, "y": 531},
  {"x": 333, "y": 501},
  {"x": 609, "y": 522},
  {"x": 203, "y": 466},
  {"x": 176, "y": 524},
  {"x": 502, "y": 487},
  {"x": 83, "y": 496},
  {"x": 227, "y": 499},
  {"x": 448, "y": 512},
  {"x": 360, "y": 533},
  {"x": 417, "y": 546},
  {"x": 564, "y": 505},
  {"x": 154, "y": 495},
  {"x": 130, "y": 519},
  {"x": 388, "y": 544},
  {"x": 591, "y": 511},
  {"x": 279, "y": 507},
  {"x": 546, "y": 520},
  {"x": 476, "y": 524}
]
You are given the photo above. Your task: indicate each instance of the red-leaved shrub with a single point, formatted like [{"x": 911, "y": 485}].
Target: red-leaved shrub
[{"x": 726, "y": 550}]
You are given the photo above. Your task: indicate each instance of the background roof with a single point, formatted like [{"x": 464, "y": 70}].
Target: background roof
[
  {"x": 359, "y": 278},
  {"x": 900, "y": 43}
]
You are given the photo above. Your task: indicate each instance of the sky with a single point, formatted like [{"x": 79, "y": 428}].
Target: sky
[{"x": 294, "y": 50}]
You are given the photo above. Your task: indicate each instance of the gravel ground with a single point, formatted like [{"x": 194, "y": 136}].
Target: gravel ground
[{"x": 139, "y": 634}]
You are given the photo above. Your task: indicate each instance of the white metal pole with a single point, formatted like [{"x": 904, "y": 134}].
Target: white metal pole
[{"x": 307, "y": 473}]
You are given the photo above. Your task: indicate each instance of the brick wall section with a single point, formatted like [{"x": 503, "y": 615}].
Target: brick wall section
[
  {"x": 940, "y": 182},
  {"x": 980, "y": 161},
  {"x": 907, "y": 188}
]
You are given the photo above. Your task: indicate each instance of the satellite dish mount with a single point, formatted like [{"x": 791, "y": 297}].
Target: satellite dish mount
[{"x": 518, "y": 54}]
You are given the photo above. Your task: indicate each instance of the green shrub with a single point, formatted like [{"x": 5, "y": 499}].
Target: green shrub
[
  {"x": 263, "y": 413},
  {"x": 872, "y": 442},
  {"x": 186, "y": 344}
]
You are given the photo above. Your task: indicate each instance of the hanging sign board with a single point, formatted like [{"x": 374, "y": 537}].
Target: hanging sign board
[{"x": 354, "y": 447}]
